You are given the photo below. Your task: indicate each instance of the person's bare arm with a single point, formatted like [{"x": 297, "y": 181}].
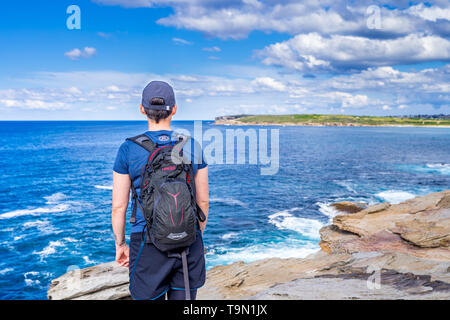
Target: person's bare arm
[
  {"x": 202, "y": 193},
  {"x": 121, "y": 191}
]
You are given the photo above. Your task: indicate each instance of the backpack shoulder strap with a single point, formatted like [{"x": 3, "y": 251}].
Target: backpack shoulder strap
[
  {"x": 144, "y": 141},
  {"x": 178, "y": 144},
  {"x": 181, "y": 140}
]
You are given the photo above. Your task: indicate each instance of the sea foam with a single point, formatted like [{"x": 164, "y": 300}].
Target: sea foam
[
  {"x": 229, "y": 235},
  {"x": 395, "y": 196},
  {"x": 50, "y": 249},
  {"x": 228, "y": 201},
  {"x": 437, "y": 168},
  {"x": 442, "y": 168},
  {"x": 31, "y": 282},
  {"x": 261, "y": 251},
  {"x": 5, "y": 271},
  {"x": 103, "y": 187},
  {"x": 328, "y": 210},
  {"x": 284, "y": 220},
  {"x": 54, "y": 205},
  {"x": 55, "y": 198},
  {"x": 37, "y": 223},
  {"x": 34, "y": 212},
  {"x": 347, "y": 185}
]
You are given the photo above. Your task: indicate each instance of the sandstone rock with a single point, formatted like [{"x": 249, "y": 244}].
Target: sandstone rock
[
  {"x": 387, "y": 241},
  {"x": 377, "y": 207},
  {"x": 113, "y": 293},
  {"x": 366, "y": 222},
  {"x": 402, "y": 276},
  {"x": 357, "y": 286},
  {"x": 108, "y": 278},
  {"x": 444, "y": 203},
  {"x": 349, "y": 207},
  {"x": 428, "y": 229},
  {"x": 405, "y": 246},
  {"x": 333, "y": 240},
  {"x": 261, "y": 275}
]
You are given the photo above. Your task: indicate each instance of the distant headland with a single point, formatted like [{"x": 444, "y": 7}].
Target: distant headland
[{"x": 440, "y": 120}]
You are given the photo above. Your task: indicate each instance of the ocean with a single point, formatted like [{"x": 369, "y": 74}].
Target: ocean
[{"x": 56, "y": 181}]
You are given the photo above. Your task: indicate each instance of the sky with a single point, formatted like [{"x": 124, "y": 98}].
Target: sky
[{"x": 223, "y": 57}]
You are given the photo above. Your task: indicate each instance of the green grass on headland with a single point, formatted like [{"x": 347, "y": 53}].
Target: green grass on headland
[{"x": 321, "y": 119}]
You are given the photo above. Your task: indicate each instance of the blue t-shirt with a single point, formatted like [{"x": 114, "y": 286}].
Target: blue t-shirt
[{"x": 131, "y": 158}]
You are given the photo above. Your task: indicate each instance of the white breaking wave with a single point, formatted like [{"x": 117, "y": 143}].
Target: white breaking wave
[
  {"x": 55, "y": 198},
  {"x": 43, "y": 226},
  {"x": 347, "y": 185},
  {"x": 395, "y": 196},
  {"x": 87, "y": 260},
  {"x": 103, "y": 187},
  {"x": 229, "y": 235},
  {"x": 439, "y": 168},
  {"x": 262, "y": 251},
  {"x": 284, "y": 220},
  {"x": 5, "y": 271},
  {"x": 53, "y": 246},
  {"x": 228, "y": 201},
  {"x": 37, "y": 223},
  {"x": 50, "y": 249},
  {"x": 34, "y": 212},
  {"x": 328, "y": 210},
  {"x": 31, "y": 282},
  {"x": 443, "y": 168}
]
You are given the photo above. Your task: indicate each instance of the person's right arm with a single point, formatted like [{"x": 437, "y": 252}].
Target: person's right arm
[{"x": 121, "y": 191}]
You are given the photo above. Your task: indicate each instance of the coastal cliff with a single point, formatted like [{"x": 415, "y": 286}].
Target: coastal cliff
[
  {"x": 329, "y": 120},
  {"x": 383, "y": 251}
]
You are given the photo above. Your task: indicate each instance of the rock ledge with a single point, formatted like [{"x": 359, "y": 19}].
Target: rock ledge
[{"x": 383, "y": 251}]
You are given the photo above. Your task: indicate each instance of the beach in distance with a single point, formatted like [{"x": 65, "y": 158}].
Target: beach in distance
[
  {"x": 60, "y": 221},
  {"x": 336, "y": 120}
]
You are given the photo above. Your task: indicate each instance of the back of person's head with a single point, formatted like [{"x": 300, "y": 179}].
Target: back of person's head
[
  {"x": 157, "y": 115},
  {"x": 158, "y": 100}
]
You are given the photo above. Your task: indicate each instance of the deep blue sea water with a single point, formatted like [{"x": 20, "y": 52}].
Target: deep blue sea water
[{"x": 56, "y": 177}]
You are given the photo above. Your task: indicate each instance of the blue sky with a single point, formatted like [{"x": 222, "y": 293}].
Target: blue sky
[{"x": 224, "y": 57}]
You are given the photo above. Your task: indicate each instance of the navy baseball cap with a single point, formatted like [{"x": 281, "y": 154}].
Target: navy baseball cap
[{"x": 158, "y": 95}]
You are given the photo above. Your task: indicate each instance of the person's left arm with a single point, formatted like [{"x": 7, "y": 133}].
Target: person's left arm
[{"x": 202, "y": 193}]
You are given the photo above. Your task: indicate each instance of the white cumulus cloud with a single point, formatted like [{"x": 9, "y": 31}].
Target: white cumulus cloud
[
  {"x": 313, "y": 52},
  {"x": 76, "y": 53}
]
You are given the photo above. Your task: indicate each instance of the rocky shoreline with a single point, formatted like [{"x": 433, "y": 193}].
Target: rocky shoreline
[
  {"x": 235, "y": 121},
  {"x": 316, "y": 124},
  {"x": 383, "y": 251}
]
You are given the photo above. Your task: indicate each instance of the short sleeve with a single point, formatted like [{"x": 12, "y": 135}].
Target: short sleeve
[
  {"x": 121, "y": 163},
  {"x": 203, "y": 163},
  {"x": 198, "y": 158}
]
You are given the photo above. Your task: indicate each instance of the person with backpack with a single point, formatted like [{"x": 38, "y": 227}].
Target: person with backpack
[{"x": 169, "y": 187}]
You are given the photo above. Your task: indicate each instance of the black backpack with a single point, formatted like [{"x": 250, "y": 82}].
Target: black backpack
[{"x": 167, "y": 198}]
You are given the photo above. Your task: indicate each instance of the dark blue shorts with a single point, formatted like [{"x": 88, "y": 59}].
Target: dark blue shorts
[{"x": 153, "y": 273}]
